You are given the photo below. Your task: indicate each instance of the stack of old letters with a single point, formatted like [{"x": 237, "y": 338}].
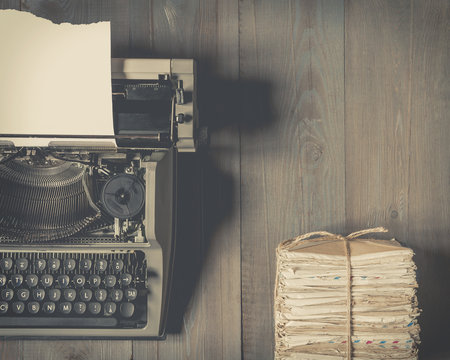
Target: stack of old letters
[{"x": 345, "y": 298}]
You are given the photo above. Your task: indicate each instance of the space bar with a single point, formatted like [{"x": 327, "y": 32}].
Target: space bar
[{"x": 58, "y": 322}]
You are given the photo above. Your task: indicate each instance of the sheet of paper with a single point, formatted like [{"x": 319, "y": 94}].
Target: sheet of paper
[{"x": 54, "y": 79}]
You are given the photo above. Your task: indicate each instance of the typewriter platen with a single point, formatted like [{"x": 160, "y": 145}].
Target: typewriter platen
[{"x": 87, "y": 228}]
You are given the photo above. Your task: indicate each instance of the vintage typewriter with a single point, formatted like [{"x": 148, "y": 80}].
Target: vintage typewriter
[{"x": 87, "y": 229}]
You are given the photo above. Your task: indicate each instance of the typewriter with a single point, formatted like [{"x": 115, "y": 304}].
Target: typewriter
[{"x": 87, "y": 228}]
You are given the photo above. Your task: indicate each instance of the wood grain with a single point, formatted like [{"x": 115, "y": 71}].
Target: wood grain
[
  {"x": 377, "y": 123},
  {"x": 207, "y": 273},
  {"x": 429, "y": 193},
  {"x": 292, "y": 157}
]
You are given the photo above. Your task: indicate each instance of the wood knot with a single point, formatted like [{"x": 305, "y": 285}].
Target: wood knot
[{"x": 310, "y": 154}]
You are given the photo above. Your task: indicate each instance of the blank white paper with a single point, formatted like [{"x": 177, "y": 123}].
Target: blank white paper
[{"x": 55, "y": 79}]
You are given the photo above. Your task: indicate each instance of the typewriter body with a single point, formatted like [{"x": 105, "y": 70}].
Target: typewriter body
[{"x": 88, "y": 224}]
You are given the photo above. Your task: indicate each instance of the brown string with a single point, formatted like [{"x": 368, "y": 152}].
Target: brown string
[
  {"x": 349, "y": 300},
  {"x": 323, "y": 235}
]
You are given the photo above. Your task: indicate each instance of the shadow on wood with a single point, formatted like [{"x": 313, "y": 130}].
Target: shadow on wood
[
  {"x": 206, "y": 191},
  {"x": 433, "y": 269}
]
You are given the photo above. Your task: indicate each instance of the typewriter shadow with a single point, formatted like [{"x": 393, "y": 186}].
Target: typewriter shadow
[
  {"x": 433, "y": 270},
  {"x": 207, "y": 190}
]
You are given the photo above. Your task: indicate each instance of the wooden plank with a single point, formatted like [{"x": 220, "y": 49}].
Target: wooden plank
[
  {"x": 207, "y": 271},
  {"x": 10, "y": 4},
  {"x": 377, "y": 124},
  {"x": 77, "y": 12},
  {"x": 292, "y": 162},
  {"x": 429, "y": 199}
]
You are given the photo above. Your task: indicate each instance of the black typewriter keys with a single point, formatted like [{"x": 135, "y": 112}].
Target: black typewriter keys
[
  {"x": 31, "y": 280},
  {"x": 86, "y": 295},
  {"x": 73, "y": 288},
  {"x": 63, "y": 280},
  {"x": 33, "y": 307},
  {"x": 18, "y": 307},
  {"x": 38, "y": 294},
  {"x": 40, "y": 264},
  {"x": 127, "y": 309},
  {"x": 16, "y": 280},
  {"x": 6, "y": 264},
  {"x": 54, "y": 294},
  {"x": 54, "y": 264},
  {"x": 79, "y": 280},
  {"x": 23, "y": 294},
  {"x": 7, "y": 294},
  {"x": 3, "y": 307},
  {"x": 86, "y": 264},
  {"x": 101, "y": 265},
  {"x": 123, "y": 196},
  {"x": 22, "y": 264},
  {"x": 69, "y": 264},
  {"x": 47, "y": 280},
  {"x": 95, "y": 280},
  {"x": 79, "y": 308}
]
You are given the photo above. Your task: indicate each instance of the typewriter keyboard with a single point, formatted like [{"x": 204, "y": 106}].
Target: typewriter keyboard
[{"x": 73, "y": 290}]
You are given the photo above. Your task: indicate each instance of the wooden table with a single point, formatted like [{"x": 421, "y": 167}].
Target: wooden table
[{"x": 323, "y": 115}]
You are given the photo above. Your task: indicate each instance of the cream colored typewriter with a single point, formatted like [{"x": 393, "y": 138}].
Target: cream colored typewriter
[{"x": 88, "y": 222}]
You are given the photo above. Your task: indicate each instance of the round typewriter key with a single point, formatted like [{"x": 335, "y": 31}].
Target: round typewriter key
[
  {"x": 22, "y": 264},
  {"x": 31, "y": 280},
  {"x": 94, "y": 280},
  {"x": 86, "y": 295},
  {"x": 65, "y": 307},
  {"x": 131, "y": 294},
  {"x": 54, "y": 264},
  {"x": 63, "y": 280},
  {"x": 23, "y": 294},
  {"x": 110, "y": 308},
  {"x": 79, "y": 280},
  {"x": 40, "y": 264},
  {"x": 127, "y": 309},
  {"x": 86, "y": 264},
  {"x": 54, "y": 294},
  {"x": 6, "y": 264},
  {"x": 70, "y": 294},
  {"x": 3, "y": 307},
  {"x": 110, "y": 281},
  {"x": 125, "y": 279},
  {"x": 101, "y": 265},
  {"x": 7, "y": 294},
  {"x": 116, "y": 295},
  {"x": 49, "y": 307},
  {"x": 18, "y": 307},
  {"x": 117, "y": 265},
  {"x": 101, "y": 294},
  {"x": 16, "y": 280},
  {"x": 2, "y": 280},
  {"x": 79, "y": 308},
  {"x": 38, "y": 294},
  {"x": 94, "y": 308},
  {"x": 47, "y": 280},
  {"x": 33, "y": 307},
  {"x": 70, "y": 264}
]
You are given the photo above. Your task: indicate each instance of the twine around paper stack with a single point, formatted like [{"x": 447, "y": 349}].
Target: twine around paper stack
[{"x": 324, "y": 243}]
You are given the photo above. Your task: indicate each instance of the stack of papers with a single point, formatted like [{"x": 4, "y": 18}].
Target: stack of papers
[{"x": 312, "y": 294}]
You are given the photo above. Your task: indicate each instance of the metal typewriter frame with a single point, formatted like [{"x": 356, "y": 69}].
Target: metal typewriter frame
[{"x": 160, "y": 208}]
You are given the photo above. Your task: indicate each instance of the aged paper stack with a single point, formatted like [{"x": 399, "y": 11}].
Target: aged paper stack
[{"x": 332, "y": 289}]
